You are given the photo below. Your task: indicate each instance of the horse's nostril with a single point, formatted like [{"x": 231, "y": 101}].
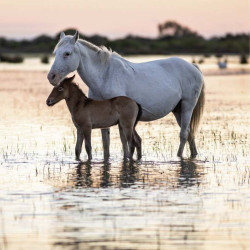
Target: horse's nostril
[{"x": 51, "y": 76}]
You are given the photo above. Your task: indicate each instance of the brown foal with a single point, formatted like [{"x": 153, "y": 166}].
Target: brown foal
[{"x": 88, "y": 114}]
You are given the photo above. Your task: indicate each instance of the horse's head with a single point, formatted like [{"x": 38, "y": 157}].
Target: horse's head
[
  {"x": 67, "y": 58},
  {"x": 60, "y": 92}
]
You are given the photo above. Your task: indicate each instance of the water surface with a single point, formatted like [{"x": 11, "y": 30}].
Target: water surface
[{"x": 49, "y": 201}]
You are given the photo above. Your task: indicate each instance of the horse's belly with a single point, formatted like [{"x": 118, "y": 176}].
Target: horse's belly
[
  {"x": 160, "y": 109},
  {"x": 156, "y": 102}
]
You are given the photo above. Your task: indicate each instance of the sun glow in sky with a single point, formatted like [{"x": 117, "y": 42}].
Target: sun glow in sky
[{"x": 117, "y": 18}]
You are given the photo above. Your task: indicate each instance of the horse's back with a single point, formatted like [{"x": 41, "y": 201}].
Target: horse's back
[{"x": 180, "y": 75}]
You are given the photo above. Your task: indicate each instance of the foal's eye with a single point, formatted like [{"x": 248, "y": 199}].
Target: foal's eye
[
  {"x": 60, "y": 89},
  {"x": 66, "y": 54}
]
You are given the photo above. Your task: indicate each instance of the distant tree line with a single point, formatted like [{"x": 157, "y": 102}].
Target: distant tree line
[{"x": 173, "y": 39}]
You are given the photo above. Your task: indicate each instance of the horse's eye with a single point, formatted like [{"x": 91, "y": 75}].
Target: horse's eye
[
  {"x": 60, "y": 89},
  {"x": 66, "y": 54}
]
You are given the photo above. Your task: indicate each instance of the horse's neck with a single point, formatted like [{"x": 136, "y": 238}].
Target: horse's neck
[
  {"x": 75, "y": 98},
  {"x": 91, "y": 69}
]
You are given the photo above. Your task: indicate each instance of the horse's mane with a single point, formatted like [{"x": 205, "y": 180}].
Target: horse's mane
[{"x": 103, "y": 52}]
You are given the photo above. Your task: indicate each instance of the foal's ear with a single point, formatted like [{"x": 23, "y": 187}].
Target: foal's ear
[
  {"x": 70, "y": 79},
  {"x": 75, "y": 38},
  {"x": 62, "y": 35}
]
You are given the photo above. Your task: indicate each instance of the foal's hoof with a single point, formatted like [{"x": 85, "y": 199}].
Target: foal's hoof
[
  {"x": 179, "y": 155},
  {"x": 139, "y": 157},
  {"x": 106, "y": 156},
  {"x": 193, "y": 156}
]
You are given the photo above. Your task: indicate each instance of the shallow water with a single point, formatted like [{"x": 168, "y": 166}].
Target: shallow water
[{"x": 48, "y": 201}]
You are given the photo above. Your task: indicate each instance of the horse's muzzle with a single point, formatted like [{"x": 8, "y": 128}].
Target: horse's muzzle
[{"x": 52, "y": 77}]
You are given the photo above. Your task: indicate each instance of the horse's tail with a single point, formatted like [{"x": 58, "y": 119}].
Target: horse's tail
[
  {"x": 139, "y": 114},
  {"x": 198, "y": 110}
]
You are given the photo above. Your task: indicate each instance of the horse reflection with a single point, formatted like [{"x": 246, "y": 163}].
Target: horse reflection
[
  {"x": 129, "y": 174},
  {"x": 105, "y": 175},
  {"x": 83, "y": 175},
  {"x": 189, "y": 174}
]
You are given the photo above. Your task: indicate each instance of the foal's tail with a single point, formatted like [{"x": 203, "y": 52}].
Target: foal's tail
[
  {"x": 139, "y": 114},
  {"x": 198, "y": 110}
]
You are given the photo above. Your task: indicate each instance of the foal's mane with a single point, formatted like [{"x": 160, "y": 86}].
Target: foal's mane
[
  {"x": 76, "y": 86},
  {"x": 103, "y": 52}
]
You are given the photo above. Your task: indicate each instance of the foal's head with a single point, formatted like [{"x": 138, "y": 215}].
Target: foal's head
[{"x": 60, "y": 92}]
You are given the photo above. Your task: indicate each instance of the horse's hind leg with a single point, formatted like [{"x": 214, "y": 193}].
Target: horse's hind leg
[
  {"x": 191, "y": 140},
  {"x": 106, "y": 142},
  {"x": 183, "y": 119},
  {"x": 124, "y": 142}
]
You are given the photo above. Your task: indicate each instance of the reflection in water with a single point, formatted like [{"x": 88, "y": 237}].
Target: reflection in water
[
  {"x": 83, "y": 175},
  {"x": 105, "y": 175},
  {"x": 122, "y": 196},
  {"x": 134, "y": 205},
  {"x": 129, "y": 174},
  {"x": 125, "y": 174},
  {"x": 188, "y": 173}
]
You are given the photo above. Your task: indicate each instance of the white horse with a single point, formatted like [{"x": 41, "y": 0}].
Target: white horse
[{"x": 160, "y": 86}]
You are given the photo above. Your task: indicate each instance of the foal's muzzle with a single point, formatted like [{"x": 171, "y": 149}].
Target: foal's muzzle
[{"x": 50, "y": 102}]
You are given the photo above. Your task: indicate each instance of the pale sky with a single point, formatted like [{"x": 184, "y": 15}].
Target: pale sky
[{"x": 118, "y": 18}]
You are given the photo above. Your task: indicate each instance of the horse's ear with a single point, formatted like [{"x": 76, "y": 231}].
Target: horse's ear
[
  {"x": 75, "y": 38},
  {"x": 62, "y": 35}
]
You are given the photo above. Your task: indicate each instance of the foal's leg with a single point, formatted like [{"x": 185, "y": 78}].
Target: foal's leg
[
  {"x": 87, "y": 136},
  {"x": 79, "y": 141},
  {"x": 128, "y": 132},
  {"x": 191, "y": 140},
  {"x": 137, "y": 142},
  {"x": 124, "y": 142},
  {"x": 106, "y": 141},
  {"x": 132, "y": 149}
]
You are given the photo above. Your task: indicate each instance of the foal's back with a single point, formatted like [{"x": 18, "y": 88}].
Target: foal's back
[{"x": 106, "y": 113}]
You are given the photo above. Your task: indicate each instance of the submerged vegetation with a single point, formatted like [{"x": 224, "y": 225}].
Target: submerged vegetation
[{"x": 173, "y": 38}]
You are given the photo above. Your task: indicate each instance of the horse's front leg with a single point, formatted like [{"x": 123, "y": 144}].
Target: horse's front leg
[
  {"x": 106, "y": 142},
  {"x": 78, "y": 148}
]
